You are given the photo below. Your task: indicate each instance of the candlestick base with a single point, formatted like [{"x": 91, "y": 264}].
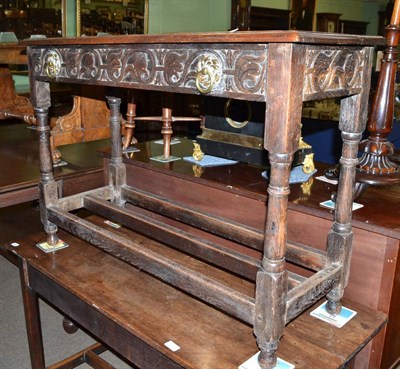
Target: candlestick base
[{"x": 375, "y": 166}]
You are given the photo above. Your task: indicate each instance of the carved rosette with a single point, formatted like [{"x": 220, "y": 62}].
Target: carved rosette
[
  {"x": 240, "y": 71},
  {"x": 331, "y": 72}
]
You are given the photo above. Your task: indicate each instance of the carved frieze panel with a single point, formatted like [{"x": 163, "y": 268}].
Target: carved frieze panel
[
  {"x": 223, "y": 70},
  {"x": 229, "y": 70},
  {"x": 333, "y": 72}
]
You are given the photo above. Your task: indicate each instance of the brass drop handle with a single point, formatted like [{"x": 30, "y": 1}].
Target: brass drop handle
[
  {"x": 208, "y": 74},
  {"x": 205, "y": 80},
  {"x": 53, "y": 65}
]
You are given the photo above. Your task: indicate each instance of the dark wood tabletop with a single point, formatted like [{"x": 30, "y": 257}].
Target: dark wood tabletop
[
  {"x": 153, "y": 312},
  {"x": 218, "y": 37},
  {"x": 19, "y": 163}
]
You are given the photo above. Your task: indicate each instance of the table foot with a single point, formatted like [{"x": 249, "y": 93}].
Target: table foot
[
  {"x": 333, "y": 307},
  {"x": 267, "y": 359},
  {"x": 47, "y": 247}
]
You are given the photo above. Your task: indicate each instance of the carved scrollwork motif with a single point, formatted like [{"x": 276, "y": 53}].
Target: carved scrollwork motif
[
  {"x": 79, "y": 65},
  {"x": 71, "y": 57},
  {"x": 331, "y": 71},
  {"x": 90, "y": 65},
  {"x": 250, "y": 72},
  {"x": 240, "y": 70},
  {"x": 177, "y": 65},
  {"x": 36, "y": 62},
  {"x": 138, "y": 66},
  {"x": 114, "y": 65}
]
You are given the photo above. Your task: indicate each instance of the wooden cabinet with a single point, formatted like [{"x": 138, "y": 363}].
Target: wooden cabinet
[
  {"x": 331, "y": 22},
  {"x": 328, "y": 22},
  {"x": 247, "y": 17},
  {"x": 19, "y": 162},
  {"x": 269, "y": 19},
  {"x": 353, "y": 27}
]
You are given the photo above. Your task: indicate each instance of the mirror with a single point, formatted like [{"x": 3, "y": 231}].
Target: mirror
[{"x": 114, "y": 17}]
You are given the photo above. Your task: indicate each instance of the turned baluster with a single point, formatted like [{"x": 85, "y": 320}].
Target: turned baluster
[
  {"x": 47, "y": 184},
  {"x": 375, "y": 166},
  {"x": 117, "y": 176},
  {"x": 27, "y": 118},
  {"x": 130, "y": 126}
]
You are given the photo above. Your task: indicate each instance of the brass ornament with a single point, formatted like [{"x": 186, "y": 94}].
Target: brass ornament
[
  {"x": 197, "y": 170},
  {"x": 208, "y": 73},
  {"x": 53, "y": 65},
  {"x": 308, "y": 164},
  {"x": 303, "y": 144},
  {"x": 306, "y": 187},
  {"x": 233, "y": 123},
  {"x": 197, "y": 153}
]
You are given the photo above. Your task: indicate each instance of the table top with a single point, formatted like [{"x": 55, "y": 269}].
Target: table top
[
  {"x": 217, "y": 37},
  {"x": 19, "y": 157},
  {"x": 380, "y": 213},
  {"x": 156, "y": 313}
]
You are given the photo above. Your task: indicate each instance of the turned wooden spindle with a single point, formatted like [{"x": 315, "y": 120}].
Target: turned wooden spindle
[
  {"x": 27, "y": 118},
  {"x": 166, "y": 130},
  {"x": 130, "y": 126},
  {"x": 375, "y": 166}
]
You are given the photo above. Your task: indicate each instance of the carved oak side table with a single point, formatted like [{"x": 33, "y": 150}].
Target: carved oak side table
[{"x": 282, "y": 69}]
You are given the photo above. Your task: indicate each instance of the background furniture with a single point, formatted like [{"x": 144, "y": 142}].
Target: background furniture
[
  {"x": 87, "y": 120},
  {"x": 19, "y": 163},
  {"x": 375, "y": 166},
  {"x": 328, "y": 22},
  {"x": 13, "y": 54},
  {"x": 247, "y": 17}
]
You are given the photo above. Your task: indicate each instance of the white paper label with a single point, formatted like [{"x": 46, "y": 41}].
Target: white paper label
[
  {"x": 338, "y": 320},
  {"x": 252, "y": 363},
  {"x": 172, "y": 346}
]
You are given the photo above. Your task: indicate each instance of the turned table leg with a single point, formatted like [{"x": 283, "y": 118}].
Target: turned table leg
[
  {"x": 340, "y": 237},
  {"x": 282, "y": 134},
  {"x": 117, "y": 176},
  {"x": 47, "y": 184},
  {"x": 272, "y": 278},
  {"x": 353, "y": 117}
]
